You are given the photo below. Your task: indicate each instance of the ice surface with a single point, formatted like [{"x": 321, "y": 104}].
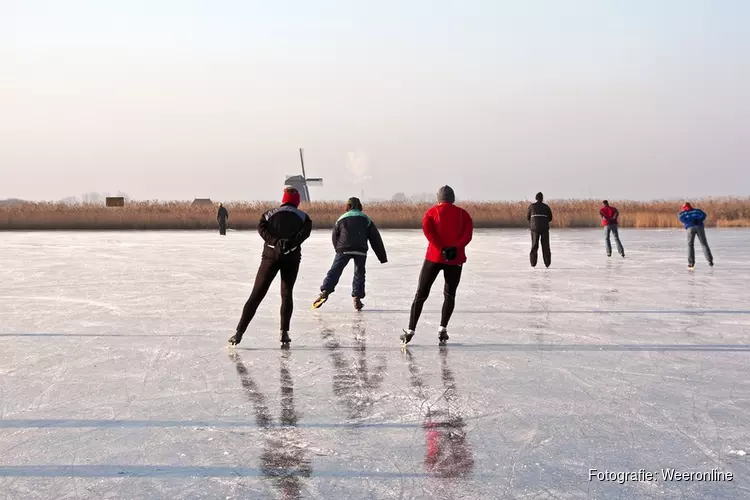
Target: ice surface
[{"x": 116, "y": 380}]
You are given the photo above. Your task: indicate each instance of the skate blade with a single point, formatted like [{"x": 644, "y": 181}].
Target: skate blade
[{"x": 318, "y": 303}]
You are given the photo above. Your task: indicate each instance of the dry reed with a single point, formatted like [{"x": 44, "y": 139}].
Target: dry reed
[{"x": 722, "y": 212}]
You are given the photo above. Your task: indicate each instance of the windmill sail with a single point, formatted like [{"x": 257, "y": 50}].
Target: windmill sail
[{"x": 301, "y": 182}]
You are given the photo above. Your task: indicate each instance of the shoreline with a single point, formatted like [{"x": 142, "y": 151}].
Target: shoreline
[{"x": 183, "y": 216}]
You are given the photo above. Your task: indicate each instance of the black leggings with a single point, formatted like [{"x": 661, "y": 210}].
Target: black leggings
[
  {"x": 266, "y": 273},
  {"x": 427, "y": 277}
]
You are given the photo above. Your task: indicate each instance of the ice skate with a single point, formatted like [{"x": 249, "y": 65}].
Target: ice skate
[
  {"x": 407, "y": 336},
  {"x": 443, "y": 336},
  {"x": 285, "y": 340},
  {"x": 691, "y": 267},
  {"x": 235, "y": 339},
  {"x": 322, "y": 298},
  {"x": 358, "y": 305}
]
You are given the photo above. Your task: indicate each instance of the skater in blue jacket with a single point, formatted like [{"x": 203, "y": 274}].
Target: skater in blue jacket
[
  {"x": 351, "y": 233},
  {"x": 693, "y": 219}
]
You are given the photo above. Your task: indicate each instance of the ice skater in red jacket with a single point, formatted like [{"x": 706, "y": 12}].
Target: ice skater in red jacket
[
  {"x": 449, "y": 230},
  {"x": 609, "y": 216}
]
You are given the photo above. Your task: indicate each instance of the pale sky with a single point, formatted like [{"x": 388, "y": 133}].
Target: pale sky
[{"x": 176, "y": 99}]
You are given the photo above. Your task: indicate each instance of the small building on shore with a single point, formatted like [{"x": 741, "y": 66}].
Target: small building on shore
[{"x": 115, "y": 201}]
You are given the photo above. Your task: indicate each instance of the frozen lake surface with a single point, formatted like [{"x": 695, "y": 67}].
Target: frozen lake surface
[{"x": 116, "y": 380}]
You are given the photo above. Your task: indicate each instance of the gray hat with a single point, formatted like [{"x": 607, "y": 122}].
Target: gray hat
[{"x": 446, "y": 195}]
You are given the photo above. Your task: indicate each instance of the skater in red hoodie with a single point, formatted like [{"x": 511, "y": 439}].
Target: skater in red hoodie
[
  {"x": 449, "y": 230},
  {"x": 609, "y": 215}
]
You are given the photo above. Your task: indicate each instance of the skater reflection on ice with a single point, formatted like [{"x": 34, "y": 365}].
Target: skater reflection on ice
[
  {"x": 353, "y": 383},
  {"x": 448, "y": 450},
  {"x": 283, "y": 459}
]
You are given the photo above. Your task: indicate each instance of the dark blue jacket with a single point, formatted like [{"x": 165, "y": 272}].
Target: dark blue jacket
[
  {"x": 352, "y": 232},
  {"x": 693, "y": 217}
]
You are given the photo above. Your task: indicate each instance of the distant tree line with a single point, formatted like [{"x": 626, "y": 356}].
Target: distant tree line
[{"x": 93, "y": 197}]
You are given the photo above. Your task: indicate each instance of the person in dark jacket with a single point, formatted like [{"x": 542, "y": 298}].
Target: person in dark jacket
[
  {"x": 693, "y": 219},
  {"x": 283, "y": 230},
  {"x": 448, "y": 230},
  {"x": 222, "y": 217},
  {"x": 609, "y": 215},
  {"x": 350, "y": 235},
  {"x": 539, "y": 217}
]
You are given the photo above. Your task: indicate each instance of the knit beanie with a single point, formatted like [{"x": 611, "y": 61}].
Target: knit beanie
[
  {"x": 446, "y": 195},
  {"x": 291, "y": 197}
]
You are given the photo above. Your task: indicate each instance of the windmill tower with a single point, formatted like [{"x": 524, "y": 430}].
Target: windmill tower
[{"x": 302, "y": 182}]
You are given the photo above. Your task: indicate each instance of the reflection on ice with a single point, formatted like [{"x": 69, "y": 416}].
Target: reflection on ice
[
  {"x": 353, "y": 381},
  {"x": 448, "y": 449},
  {"x": 283, "y": 459}
]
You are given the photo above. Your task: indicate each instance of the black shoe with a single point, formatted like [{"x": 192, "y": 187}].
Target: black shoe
[
  {"x": 358, "y": 305},
  {"x": 711, "y": 264},
  {"x": 285, "y": 340},
  {"x": 320, "y": 300},
  {"x": 407, "y": 336},
  {"x": 236, "y": 338},
  {"x": 443, "y": 336}
]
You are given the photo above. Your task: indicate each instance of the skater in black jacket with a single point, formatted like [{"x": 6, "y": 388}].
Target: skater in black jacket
[
  {"x": 539, "y": 217},
  {"x": 283, "y": 230},
  {"x": 351, "y": 233},
  {"x": 222, "y": 216}
]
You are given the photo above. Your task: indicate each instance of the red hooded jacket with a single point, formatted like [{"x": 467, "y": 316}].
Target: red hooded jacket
[
  {"x": 446, "y": 225},
  {"x": 609, "y": 213}
]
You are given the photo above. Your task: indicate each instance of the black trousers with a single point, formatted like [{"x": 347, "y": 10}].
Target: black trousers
[
  {"x": 269, "y": 268},
  {"x": 546, "y": 255},
  {"x": 427, "y": 277},
  {"x": 222, "y": 226}
]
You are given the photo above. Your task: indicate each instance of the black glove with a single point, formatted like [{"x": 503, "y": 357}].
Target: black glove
[
  {"x": 283, "y": 245},
  {"x": 449, "y": 253}
]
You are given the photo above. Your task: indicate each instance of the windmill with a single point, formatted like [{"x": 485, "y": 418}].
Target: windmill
[{"x": 301, "y": 182}]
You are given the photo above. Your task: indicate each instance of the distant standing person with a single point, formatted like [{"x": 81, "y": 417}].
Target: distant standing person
[
  {"x": 283, "y": 230},
  {"x": 609, "y": 216},
  {"x": 693, "y": 219},
  {"x": 222, "y": 217},
  {"x": 448, "y": 230},
  {"x": 539, "y": 217},
  {"x": 351, "y": 233}
]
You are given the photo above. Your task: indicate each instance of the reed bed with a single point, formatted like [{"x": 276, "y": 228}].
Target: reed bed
[{"x": 176, "y": 215}]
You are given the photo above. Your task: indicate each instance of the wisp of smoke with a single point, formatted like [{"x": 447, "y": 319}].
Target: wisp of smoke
[{"x": 358, "y": 164}]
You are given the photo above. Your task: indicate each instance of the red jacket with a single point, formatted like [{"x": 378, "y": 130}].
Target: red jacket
[
  {"x": 609, "y": 213},
  {"x": 446, "y": 225}
]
